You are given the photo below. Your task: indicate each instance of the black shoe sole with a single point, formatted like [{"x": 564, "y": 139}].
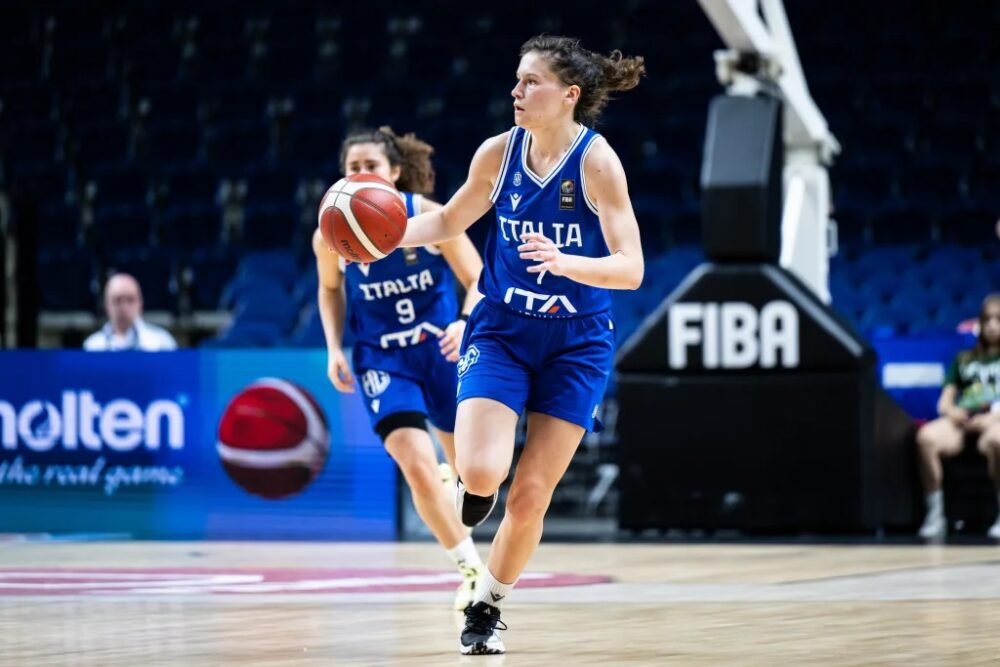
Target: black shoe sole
[{"x": 480, "y": 648}]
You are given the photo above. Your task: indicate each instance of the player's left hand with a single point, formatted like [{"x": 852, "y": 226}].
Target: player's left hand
[
  {"x": 451, "y": 340},
  {"x": 541, "y": 249}
]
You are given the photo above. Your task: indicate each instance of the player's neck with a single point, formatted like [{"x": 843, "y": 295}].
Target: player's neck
[{"x": 549, "y": 144}]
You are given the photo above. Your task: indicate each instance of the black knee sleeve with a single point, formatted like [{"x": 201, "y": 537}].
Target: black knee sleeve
[{"x": 409, "y": 419}]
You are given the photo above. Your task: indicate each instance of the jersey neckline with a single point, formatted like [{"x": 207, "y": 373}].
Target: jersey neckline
[{"x": 526, "y": 146}]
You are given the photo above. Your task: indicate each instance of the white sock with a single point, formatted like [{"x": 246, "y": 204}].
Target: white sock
[
  {"x": 935, "y": 502},
  {"x": 491, "y": 591},
  {"x": 464, "y": 554}
]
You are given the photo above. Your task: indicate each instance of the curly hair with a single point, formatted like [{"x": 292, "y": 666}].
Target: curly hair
[{"x": 409, "y": 153}]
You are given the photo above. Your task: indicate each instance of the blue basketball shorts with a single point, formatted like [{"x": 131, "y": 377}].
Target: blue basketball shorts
[
  {"x": 408, "y": 379},
  {"x": 558, "y": 367}
]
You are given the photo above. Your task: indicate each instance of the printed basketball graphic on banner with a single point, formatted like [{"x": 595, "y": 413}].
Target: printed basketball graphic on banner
[{"x": 273, "y": 438}]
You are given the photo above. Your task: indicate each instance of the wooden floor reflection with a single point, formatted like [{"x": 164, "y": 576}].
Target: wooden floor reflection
[{"x": 668, "y": 604}]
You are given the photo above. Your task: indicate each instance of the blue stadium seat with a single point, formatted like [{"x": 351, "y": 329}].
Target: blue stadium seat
[
  {"x": 122, "y": 185},
  {"x": 173, "y": 143},
  {"x": 306, "y": 286},
  {"x": 270, "y": 225},
  {"x": 66, "y": 279},
  {"x": 905, "y": 224},
  {"x": 973, "y": 227},
  {"x": 89, "y": 102},
  {"x": 153, "y": 63},
  {"x": 276, "y": 265},
  {"x": 210, "y": 269},
  {"x": 25, "y": 102},
  {"x": 234, "y": 145},
  {"x": 984, "y": 185},
  {"x": 930, "y": 187},
  {"x": 85, "y": 61},
  {"x": 261, "y": 301},
  {"x": 172, "y": 103},
  {"x": 248, "y": 334},
  {"x": 861, "y": 187},
  {"x": 122, "y": 227},
  {"x": 317, "y": 143},
  {"x": 59, "y": 225},
  {"x": 242, "y": 287},
  {"x": 271, "y": 183},
  {"x": 190, "y": 227},
  {"x": 32, "y": 143},
  {"x": 309, "y": 333},
  {"x": 103, "y": 143},
  {"x": 192, "y": 184}
]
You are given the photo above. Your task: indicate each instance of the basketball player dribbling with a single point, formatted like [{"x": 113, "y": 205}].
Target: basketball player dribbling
[
  {"x": 542, "y": 338},
  {"x": 399, "y": 306}
]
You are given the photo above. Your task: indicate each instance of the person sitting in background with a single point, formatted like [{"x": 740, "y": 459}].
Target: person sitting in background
[
  {"x": 969, "y": 407},
  {"x": 125, "y": 328}
]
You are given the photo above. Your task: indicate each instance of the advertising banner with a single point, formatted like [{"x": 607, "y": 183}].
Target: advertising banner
[{"x": 188, "y": 445}]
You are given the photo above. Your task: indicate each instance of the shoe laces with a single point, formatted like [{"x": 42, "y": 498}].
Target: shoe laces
[{"x": 482, "y": 619}]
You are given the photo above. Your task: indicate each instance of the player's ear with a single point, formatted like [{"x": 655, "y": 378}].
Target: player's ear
[
  {"x": 394, "y": 172},
  {"x": 572, "y": 94}
]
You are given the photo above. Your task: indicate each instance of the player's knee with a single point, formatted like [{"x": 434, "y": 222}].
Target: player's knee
[
  {"x": 928, "y": 438},
  {"x": 412, "y": 454},
  {"x": 989, "y": 444},
  {"x": 480, "y": 479},
  {"x": 528, "y": 501}
]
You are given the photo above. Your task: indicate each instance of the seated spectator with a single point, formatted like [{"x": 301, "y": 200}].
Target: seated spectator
[
  {"x": 969, "y": 410},
  {"x": 125, "y": 329}
]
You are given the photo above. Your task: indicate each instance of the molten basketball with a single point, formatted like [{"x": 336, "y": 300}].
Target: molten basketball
[
  {"x": 362, "y": 217},
  {"x": 273, "y": 438}
]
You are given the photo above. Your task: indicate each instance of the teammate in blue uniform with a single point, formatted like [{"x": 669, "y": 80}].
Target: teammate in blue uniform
[
  {"x": 542, "y": 338},
  {"x": 407, "y": 324}
]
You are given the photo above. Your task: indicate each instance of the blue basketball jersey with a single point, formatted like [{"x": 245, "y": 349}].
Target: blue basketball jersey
[
  {"x": 404, "y": 299},
  {"x": 555, "y": 205}
]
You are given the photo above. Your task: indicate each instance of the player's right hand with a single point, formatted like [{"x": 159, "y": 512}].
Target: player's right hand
[{"x": 339, "y": 372}]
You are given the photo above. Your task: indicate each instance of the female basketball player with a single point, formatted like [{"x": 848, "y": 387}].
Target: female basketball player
[
  {"x": 542, "y": 339},
  {"x": 398, "y": 307},
  {"x": 968, "y": 406}
]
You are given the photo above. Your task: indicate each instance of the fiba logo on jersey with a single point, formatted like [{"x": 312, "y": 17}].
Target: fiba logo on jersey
[
  {"x": 273, "y": 438},
  {"x": 375, "y": 382},
  {"x": 734, "y": 335},
  {"x": 517, "y": 179},
  {"x": 467, "y": 360},
  {"x": 567, "y": 195}
]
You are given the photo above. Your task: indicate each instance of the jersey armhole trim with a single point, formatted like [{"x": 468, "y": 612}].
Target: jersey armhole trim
[
  {"x": 503, "y": 165},
  {"x": 418, "y": 204},
  {"x": 583, "y": 175}
]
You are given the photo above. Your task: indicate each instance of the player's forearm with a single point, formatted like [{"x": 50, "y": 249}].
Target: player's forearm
[
  {"x": 617, "y": 271},
  {"x": 332, "y": 311},
  {"x": 430, "y": 227}
]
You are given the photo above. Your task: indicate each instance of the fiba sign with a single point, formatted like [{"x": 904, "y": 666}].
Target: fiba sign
[
  {"x": 273, "y": 438},
  {"x": 733, "y": 335}
]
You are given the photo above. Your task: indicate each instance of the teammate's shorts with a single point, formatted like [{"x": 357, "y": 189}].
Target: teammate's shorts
[
  {"x": 558, "y": 367},
  {"x": 408, "y": 379}
]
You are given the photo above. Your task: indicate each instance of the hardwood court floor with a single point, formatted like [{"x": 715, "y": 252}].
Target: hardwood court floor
[{"x": 668, "y": 604}]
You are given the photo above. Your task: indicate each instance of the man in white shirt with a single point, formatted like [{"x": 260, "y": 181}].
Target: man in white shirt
[{"x": 125, "y": 329}]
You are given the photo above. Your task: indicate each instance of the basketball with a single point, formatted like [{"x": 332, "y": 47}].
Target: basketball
[
  {"x": 273, "y": 438},
  {"x": 362, "y": 217}
]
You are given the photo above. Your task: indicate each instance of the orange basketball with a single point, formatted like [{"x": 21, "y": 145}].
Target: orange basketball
[{"x": 362, "y": 217}]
